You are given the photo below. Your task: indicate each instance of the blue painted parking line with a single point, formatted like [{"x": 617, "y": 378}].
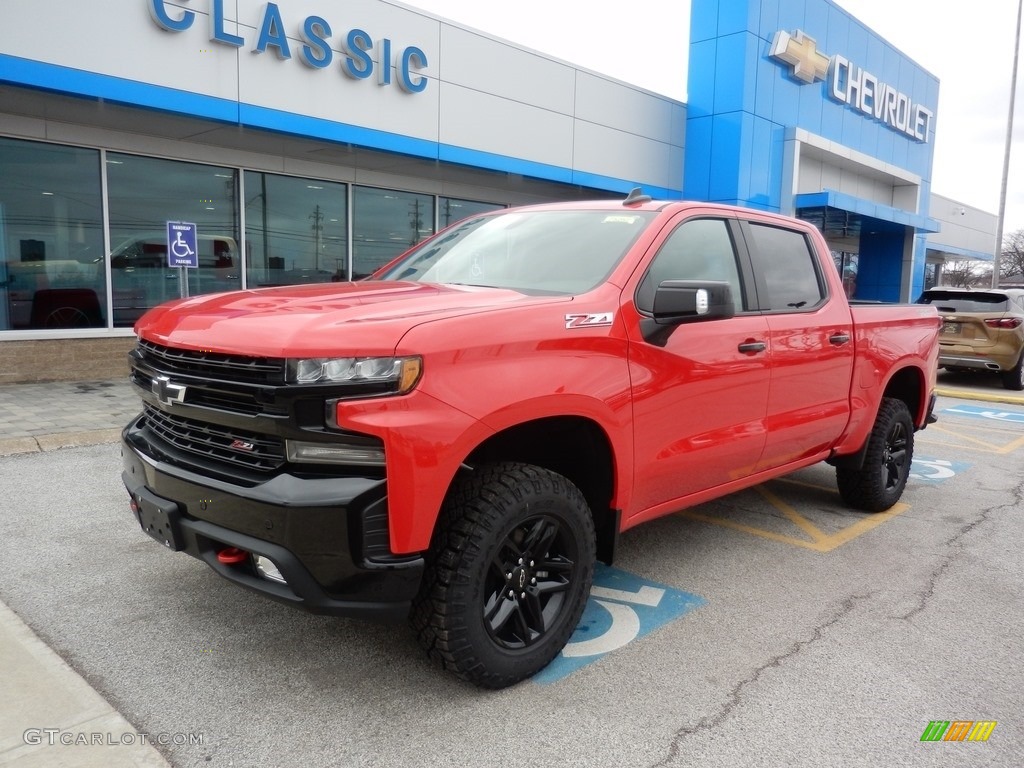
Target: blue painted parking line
[
  {"x": 991, "y": 414},
  {"x": 622, "y": 607}
]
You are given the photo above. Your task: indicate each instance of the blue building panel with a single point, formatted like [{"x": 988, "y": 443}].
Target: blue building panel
[
  {"x": 697, "y": 178},
  {"x": 702, "y": 77},
  {"x": 725, "y": 157},
  {"x": 703, "y": 20},
  {"x": 812, "y": 106},
  {"x": 768, "y": 21},
  {"x": 767, "y": 80},
  {"x": 733, "y": 90},
  {"x": 786, "y": 101},
  {"x": 737, "y": 16}
]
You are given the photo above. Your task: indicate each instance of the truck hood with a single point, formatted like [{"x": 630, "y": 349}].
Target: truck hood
[{"x": 365, "y": 318}]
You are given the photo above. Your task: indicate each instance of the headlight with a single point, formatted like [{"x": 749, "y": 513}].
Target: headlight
[{"x": 394, "y": 375}]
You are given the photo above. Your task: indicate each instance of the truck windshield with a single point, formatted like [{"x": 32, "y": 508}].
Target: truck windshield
[{"x": 563, "y": 252}]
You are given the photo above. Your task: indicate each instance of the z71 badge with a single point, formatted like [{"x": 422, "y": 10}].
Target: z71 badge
[{"x": 589, "y": 321}]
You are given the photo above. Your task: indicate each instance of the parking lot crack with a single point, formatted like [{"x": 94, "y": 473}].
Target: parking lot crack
[
  {"x": 955, "y": 545},
  {"x": 736, "y": 695}
]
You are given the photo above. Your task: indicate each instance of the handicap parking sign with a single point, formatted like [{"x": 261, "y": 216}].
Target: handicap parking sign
[
  {"x": 622, "y": 607},
  {"x": 182, "y": 250}
]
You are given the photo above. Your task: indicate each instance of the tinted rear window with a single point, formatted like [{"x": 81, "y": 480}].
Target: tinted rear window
[{"x": 962, "y": 301}]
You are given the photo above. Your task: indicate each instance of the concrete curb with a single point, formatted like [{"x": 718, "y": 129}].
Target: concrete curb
[
  {"x": 14, "y": 445},
  {"x": 50, "y": 702},
  {"x": 970, "y": 394}
]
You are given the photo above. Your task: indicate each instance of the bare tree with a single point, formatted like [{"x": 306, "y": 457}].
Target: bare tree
[
  {"x": 963, "y": 273},
  {"x": 1011, "y": 261}
]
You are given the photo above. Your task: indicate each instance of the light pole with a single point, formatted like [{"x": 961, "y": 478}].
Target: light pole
[{"x": 997, "y": 257}]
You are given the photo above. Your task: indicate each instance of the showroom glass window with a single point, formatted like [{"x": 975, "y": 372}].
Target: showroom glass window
[
  {"x": 51, "y": 237},
  {"x": 451, "y": 210},
  {"x": 386, "y": 223},
  {"x": 295, "y": 230},
  {"x": 144, "y": 193}
]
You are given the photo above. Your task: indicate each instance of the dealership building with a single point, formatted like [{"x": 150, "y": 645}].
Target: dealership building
[{"x": 302, "y": 142}]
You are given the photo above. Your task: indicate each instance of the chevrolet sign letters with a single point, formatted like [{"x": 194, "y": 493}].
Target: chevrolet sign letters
[{"x": 851, "y": 85}]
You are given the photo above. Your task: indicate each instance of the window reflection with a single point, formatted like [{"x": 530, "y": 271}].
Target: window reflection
[
  {"x": 144, "y": 194},
  {"x": 51, "y": 237},
  {"x": 451, "y": 210},
  {"x": 295, "y": 230},
  {"x": 385, "y": 224}
]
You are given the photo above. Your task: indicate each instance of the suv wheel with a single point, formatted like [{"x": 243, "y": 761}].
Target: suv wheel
[{"x": 1014, "y": 378}]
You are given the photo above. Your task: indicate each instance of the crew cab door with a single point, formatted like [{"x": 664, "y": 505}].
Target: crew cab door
[
  {"x": 700, "y": 389},
  {"x": 810, "y": 332}
]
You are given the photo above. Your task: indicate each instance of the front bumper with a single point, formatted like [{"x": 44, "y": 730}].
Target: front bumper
[{"x": 326, "y": 535}]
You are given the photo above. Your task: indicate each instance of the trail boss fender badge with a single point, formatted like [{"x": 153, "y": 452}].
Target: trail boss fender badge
[{"x": 589, "y": 320}]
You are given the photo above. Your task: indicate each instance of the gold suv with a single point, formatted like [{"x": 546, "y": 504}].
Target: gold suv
[{"x": 982, "y": 330}]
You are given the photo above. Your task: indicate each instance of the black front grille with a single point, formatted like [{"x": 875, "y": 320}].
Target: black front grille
[
  {"x": 235, "y": 447},
  {"x": 213, "y": 365}
]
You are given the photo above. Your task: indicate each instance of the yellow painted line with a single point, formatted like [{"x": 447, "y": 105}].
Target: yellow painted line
[
  {"x": 822, "y": 543},
  {"x": 986, "y": 446},
  {"x": 968, "y": 394},
  {"x": 792, "y": 515},
  {"x": 804, "y": 484},
  {"x": 850, "y": 532}
]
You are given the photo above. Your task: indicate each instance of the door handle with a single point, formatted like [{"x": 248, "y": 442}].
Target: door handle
[
  {"x": 750, "y": 347},
  {"x": 839, "y": 338}
]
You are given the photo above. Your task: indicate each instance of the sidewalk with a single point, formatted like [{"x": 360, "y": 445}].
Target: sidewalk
[
  {"x": 49, "y": 715},
  {"x": 42, "y": 690}
]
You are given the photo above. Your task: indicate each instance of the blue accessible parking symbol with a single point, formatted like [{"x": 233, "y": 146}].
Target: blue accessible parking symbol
[
  {"x": 622, "y": 607},
  {"x": 182, "y": 248}
]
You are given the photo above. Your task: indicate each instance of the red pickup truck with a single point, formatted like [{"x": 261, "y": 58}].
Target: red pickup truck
[{"x": 458, "y": 439}]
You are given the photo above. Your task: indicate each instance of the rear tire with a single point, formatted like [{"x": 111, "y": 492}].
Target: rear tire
[
  {"x": 507, "y": 575},
  {"x": 879, "y": 483},
  {"x": 1014, "y": 378}
]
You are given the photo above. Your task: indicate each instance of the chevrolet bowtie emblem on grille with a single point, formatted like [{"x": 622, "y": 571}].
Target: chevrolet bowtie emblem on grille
[
  {"x": 168, "y": 392},
  {"x": 802, "y": 54}
]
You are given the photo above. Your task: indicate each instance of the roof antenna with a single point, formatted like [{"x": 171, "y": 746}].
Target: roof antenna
[{"x": 636, "y": 196}]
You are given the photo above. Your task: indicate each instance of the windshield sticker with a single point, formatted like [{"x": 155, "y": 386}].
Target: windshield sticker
[
  {"x": 620, "y": 218},
  {"x": 589, "y": 320}
]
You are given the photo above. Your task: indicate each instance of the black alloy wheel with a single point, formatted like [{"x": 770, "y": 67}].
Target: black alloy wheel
[
  {"x": 507, "y": 575},
  {"x": 879, "y": 483}
]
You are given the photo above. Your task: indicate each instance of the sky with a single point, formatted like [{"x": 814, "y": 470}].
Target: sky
[{"x": 970, "y": 50}]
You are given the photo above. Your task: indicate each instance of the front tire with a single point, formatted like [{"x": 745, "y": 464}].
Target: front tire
[
  {"x": 879, "y": 483},
  {"x": 507, "y": 575}
]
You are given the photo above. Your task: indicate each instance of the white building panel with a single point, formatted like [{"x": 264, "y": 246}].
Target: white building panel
[
  {"x": 631, "y": 110},
  {"x": 610, "y": 152},
  {"x": 472, "y": 60},
  {"x": 119, "y": 38},
  {"x": 489, "y": 123}
]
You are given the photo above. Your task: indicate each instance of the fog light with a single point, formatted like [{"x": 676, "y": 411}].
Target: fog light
[{"x": 265, "y": 567}]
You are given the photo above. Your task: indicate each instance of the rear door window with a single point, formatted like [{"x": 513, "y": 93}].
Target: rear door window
[{"x": 786, "y": 265}]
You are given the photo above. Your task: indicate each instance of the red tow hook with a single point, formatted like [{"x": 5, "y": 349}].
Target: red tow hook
[{"x": 232, "y": 556}]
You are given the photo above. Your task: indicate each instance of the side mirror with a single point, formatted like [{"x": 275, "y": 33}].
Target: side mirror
[{"x": 688, "y": 301}]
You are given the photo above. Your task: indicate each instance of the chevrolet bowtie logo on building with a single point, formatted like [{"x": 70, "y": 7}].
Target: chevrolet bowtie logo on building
[
  {"x": 851, "y": 85},
  {"x": 801, "y": 52},
  {"x": 166, "y": 391}
]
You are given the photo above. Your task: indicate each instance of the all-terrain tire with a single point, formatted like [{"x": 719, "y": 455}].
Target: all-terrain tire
[
  {"x": 507, "y": 574},
  {"x": 879, "y": 483}
]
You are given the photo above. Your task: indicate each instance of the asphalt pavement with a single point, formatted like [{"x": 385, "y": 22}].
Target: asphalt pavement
[{"x": 51, "y": 715}]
